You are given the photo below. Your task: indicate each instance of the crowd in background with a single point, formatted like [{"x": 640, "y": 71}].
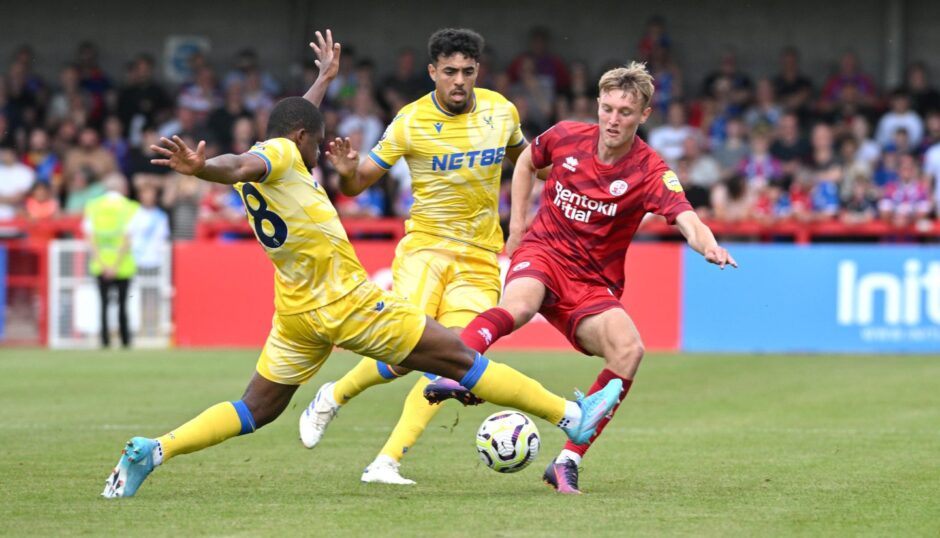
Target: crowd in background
[{"x": 785, "y": 147}]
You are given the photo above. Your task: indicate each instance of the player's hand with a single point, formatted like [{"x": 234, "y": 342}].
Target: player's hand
[
  {"x": 720, "y": 257},
  {"x": 108, "y": 273},
  {"x": 342, "y": 157},
  {"x": 513, "y": 242},
  {"x": 328, "y": 54},
  {"x": 179, "y": 156}
]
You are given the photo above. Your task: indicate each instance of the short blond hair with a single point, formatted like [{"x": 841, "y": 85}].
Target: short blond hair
[{"x": 631, "y": 78}]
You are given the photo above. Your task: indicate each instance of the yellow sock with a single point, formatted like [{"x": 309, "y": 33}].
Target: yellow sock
[
  {"x": 368, "y": 373},
  {"x": 415, "y": 417},
  {"x": 503, "y": 385},
  {"x": 214, "y": 425}
]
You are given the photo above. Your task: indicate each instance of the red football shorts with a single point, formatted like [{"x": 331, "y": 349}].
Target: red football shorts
[{"x": 570, "y": 296}]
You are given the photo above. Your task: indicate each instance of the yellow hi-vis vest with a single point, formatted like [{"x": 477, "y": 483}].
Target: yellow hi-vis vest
[{"x": 110, "y": 217}]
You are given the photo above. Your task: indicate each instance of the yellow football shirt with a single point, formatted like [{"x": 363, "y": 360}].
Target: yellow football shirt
[
  {"x": 455, "y": 162},
  {"x": 299, "y": 229}
]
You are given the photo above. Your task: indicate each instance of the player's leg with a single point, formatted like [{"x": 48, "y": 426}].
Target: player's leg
[
  {"x": 104, "y": 287},
  {"x": 612, "y": 335},
  {"x": 417, "y": 276},
  {"x": 293, "y": 353},
  {"x": 471, "y": 285},
  {"x": 401, "y": 334},
  {"x": 122, "y": 286},
  {"x": 521, "y": 300}
]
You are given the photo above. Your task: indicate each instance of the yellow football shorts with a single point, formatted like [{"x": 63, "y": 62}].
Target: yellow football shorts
[
  {"x": 452, "y": 281},
  {"x": 367, "y": 321}
]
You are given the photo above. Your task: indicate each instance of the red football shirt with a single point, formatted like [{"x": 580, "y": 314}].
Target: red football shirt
[{"x": 589, "y": 210}]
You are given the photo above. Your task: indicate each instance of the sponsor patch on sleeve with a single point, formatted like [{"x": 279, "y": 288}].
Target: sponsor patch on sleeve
[{"x": 671, "y": 180}]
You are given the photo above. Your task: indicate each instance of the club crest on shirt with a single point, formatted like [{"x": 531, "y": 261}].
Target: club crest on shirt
[
  {"x": 618, "y": 187},
  {"x": 671, "y": 180}
]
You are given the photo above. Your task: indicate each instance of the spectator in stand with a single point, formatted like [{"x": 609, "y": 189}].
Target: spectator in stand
[
  {"x": 667, "y": 139},
  {"x": 222, "y": 119},
  {"x": 759, "y": 167},
  {"x": 848, "y": 85},
  {"x": 407, "y": 81},
  {"x": 107, "y": 226},
  {"x": 793, "y": 88},
  {"x": 202, "y": 96},
  {"x": 900, "y": 116},
  {"x": 70, "y": 101},
  {"x": 932, "y": 159},
  {"x": 256, "y": 98},
  {"x": 93, "y": 80},
  {"x": 728, "y": 78},
  {"x": 116, "y": 144},
  {"x": 83, "y": 187},
  {"x": 89, "y": 153},
  {"x": 887, "y": 170},
  {"x": 182, "y": 196},
  {"x": 41, "y": 204},
  {"x": 185, "y": 123},
  {"x": 141, "y": 171},
  {"x": 342, "y": 89},
  {"x": 23, "y": 105},
  {"x": 704, "y": 172},
  {"x": 764, "y": 113},
  {"x": 906, "y": 200},
  {"x": 853, "y": 168},
  {"x": 697, "y": 195},
  {"x": 900, "y": 143},
  {"x": 16, "y": 180},
  {"x": 142, "y": 101},
  {"x": 924, "y": 97},
  {"x": 668, "y": 79},
  {"x": 537, "y": 91},
  {"x": 25, "y": 59},
  {"x": 789, "y": 146},
  {"x": 364, "y": 118},
  {"x": 825, "y": 169},
  {"x": 868, "y": 150},
  {"x": 247, "y": 67},
  {"x": 733, "y": 149},
  {"x": 732, "y": 199},
  {"x": 932, "y": 134},
  {"x": 150, "y": 232},
  {"x": 862, "y": 203},
  {"x": 800, "y": 201},
  {"x": 547, "y": 64},
  {"x": 243, "y": 136},
  {"x": 654, "y": 37},
  {"x": 43, "y": 161}
]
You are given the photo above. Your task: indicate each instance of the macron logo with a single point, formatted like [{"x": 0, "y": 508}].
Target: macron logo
[
  {"x": 570, "y": 164},
  {"x": 486, "y": 334}
]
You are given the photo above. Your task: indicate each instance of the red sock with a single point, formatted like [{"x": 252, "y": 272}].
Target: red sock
[
  {"x": 487, "y": 328},
  {"x": 606, "y": 376}
]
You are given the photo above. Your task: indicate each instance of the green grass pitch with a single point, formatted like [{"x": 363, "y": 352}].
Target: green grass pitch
[{"x": 703, "y": 446}]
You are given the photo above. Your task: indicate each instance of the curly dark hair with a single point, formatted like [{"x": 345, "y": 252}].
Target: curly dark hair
[
  {"x": 292, "y": 113},
  {"x": 448, "y": 41}
]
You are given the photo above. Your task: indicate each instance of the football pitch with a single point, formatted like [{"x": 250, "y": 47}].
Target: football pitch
[{"x": 703, "y": 446}]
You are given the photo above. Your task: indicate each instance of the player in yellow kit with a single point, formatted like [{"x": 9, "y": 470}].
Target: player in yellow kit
[
  {"x": 454, "y": 141},
  {"x": 323, "y": 299}
]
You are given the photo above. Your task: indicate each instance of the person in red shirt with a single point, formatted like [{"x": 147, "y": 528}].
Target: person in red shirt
[{"x": 569, "y": 264}]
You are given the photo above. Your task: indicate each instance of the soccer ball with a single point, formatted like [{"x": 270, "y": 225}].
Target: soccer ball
[{"x": 508, "y": 441}]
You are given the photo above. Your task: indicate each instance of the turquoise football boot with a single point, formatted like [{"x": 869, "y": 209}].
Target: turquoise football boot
[
  {"x": 133, "y": 468},
  {"x": 593, "y": 408}
]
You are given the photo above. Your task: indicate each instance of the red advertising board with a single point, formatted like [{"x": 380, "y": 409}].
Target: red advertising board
[{"x": 224, "y": 294}]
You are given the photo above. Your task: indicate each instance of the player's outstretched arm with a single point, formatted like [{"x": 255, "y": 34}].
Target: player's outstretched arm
[
  {"x": 523, "y": 177},
  {"x": 702, "y": 240},
  {"x": 327, "y": 62},
  {"x": 228, "y": 169},
  {"x": 354, "y": 177}
]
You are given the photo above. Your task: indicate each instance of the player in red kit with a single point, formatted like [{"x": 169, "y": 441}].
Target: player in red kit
[{"x": 569, "y": 265}]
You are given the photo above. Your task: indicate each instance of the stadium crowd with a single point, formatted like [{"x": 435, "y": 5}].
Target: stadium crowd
[{"x": 782, "y": 148}]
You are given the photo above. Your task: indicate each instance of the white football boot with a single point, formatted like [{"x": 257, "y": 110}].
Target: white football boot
[
  {"x": 384, "y": 470},
  {"x": 317, "y": 416}
]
